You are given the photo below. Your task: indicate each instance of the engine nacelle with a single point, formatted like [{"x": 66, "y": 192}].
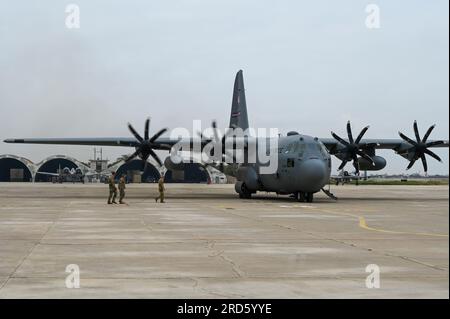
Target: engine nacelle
[
  {"x": 174, "y": 163},
  {"x": 365, "y": 165}
]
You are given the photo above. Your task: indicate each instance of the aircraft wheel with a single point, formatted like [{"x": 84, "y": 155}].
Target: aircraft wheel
[
  {"x": 309, "y": 197},
  {"x": 245, "y": 193}
]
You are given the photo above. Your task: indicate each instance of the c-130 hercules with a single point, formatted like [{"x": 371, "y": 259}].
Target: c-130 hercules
[{"x": 304, "y": 162}]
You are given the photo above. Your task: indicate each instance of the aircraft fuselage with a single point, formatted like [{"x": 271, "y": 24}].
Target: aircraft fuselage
[{"x": 304, "y": 166}]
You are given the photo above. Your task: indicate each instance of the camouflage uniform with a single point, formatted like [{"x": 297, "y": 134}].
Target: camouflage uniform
[
  {"x": 122, "y": 189},
  {"x": 161, "y": 190},
  {"x": 112, "y": 190}
]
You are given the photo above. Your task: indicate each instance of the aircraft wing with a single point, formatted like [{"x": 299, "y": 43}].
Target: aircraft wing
[
  {"x": 167, "y": 143},
  {"x": 160, "y": 143},
  {"x": 393, "y": 144},
  {"x": 47, "y": 173}
]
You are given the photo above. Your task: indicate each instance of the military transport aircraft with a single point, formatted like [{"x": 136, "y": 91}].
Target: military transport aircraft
[{"x": 304, "y": 162}]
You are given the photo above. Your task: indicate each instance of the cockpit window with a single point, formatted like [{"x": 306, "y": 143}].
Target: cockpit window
[
  {"x": 289, "y": 148},
  {"x": 295, "y": 148},
  {"x": 323, "y": 148},
  {"x": 301, "y": 149},
  {"x": 318, "y": 147}
]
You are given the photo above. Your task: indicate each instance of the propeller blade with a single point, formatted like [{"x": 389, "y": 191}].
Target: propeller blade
[
  {"x": 200, "y": 134},
  {"x": 366, "y": 157},
  {"x": 356, "y": 163},
  {"x": 411, "y": 163},
  {"x": 433, "y": 155},
  {"x": 349, "y": 132},
  {"x": 203, "y": 138},
  {"x": 361, "y": 135},
  {"x": 216, "y": 134},
  {"x": 427, "y": 134},
  {"x": 133, "y": 131},
  {"x": 129, "y": 158},
  {"x": 155, "y": 157},
  {"x": 228, "y": 133},
  {"x": 160, "y": 132},
  {"x": 407, "y": 139},
  {"x": 434, "y": 143},
  {"x": 342, "y": 164},
  {"x": 416, "y": 132},
  {"x": 145, "y": 162},
  {"x": 342, "y": 141},
  {"x": 145, "y": 167},
  {"x": 147, "y": 126},
  {"x": 424, "y": 163}
]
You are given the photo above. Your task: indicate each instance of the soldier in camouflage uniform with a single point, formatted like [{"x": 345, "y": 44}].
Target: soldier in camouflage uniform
[
  {"x": 112, "y": 189},
  {"x": 122, "y": 189},
  {"x": 161, "y": 190}
]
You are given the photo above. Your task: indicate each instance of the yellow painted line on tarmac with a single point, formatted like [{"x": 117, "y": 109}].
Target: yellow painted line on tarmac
[
  {"x": 361, "y": 221},
  {"x": 363, "y": 224}
]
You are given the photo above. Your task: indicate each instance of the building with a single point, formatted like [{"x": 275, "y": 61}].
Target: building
[{"x": 18, "y": 169}]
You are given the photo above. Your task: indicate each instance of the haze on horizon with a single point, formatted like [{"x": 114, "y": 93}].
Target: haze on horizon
[{"x": 309, "y": 66}]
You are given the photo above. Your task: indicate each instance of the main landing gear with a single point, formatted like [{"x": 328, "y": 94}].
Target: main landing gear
[
  {"x": 304, "y": 197},
  {"x": 245, "y": 195},
  {"x": 244, "y": 192}
]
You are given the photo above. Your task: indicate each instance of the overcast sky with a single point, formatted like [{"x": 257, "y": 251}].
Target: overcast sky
[{"x": 309, "y": 66}]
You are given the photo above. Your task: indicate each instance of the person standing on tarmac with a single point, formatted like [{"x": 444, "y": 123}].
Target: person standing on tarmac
[
  {"x": 161, "y": 190},
  {"x": 122, "y": 189},
  {"x": 112, "y": 189}
]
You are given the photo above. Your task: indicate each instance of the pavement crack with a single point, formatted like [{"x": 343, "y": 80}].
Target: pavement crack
[
  {"x": 413, "y": 260},
  {"x": 11, "y": 275},
  {"x": 237, "y": 271},
  {"x": 210, "y": 244}
]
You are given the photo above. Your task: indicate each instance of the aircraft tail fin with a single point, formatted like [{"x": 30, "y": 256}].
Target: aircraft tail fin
[{"x": 238, "y": 117}]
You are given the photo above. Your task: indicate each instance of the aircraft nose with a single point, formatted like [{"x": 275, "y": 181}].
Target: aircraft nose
[{"x": 313, "y": 175}]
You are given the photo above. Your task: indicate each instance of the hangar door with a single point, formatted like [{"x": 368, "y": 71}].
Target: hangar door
[{"x": 13, "y": 170}]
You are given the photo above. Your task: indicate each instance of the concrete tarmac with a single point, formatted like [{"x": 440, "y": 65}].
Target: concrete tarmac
[{"x": 206, "y": 243}]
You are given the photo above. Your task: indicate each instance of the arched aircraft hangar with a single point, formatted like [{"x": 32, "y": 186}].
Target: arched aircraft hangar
[
  {"x": 191, "y": 173},
  {"x": 133, "y": 170},
  {"x": 15, "y": 169},
  {"x": 52, "y": 164}
]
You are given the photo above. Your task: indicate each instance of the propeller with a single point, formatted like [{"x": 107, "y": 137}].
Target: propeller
[
  {"x": 420, "y": 147},
  {"x": 217, "y": 139},
  {"x": 352, "y": 148},
  {"x": 146, "y": 144}
]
